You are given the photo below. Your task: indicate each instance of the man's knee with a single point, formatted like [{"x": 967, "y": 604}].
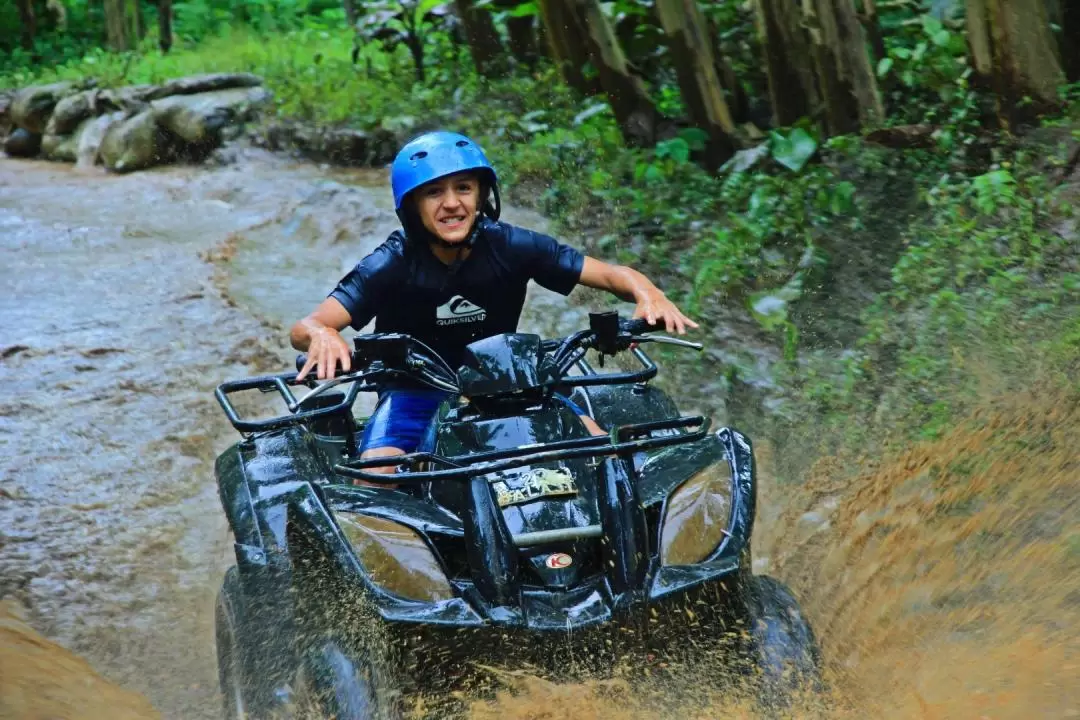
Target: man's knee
[
  {"x": 380, "y": 452},
  {"x": 592, "y": 426}
]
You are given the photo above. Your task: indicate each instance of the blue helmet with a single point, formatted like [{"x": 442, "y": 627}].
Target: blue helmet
[{"x": 437, "y": 154}]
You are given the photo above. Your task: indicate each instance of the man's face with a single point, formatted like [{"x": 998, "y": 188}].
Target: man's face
[{"x": 447, "y": 206}]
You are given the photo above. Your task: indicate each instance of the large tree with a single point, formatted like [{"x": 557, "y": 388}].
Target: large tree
[
  {"x": 1013, "y": 50},
  {"x": 626, "y": 92},
  {"x": 842, "y": 65},
  {"x": 123, "y": 24},
  {"x": 165, "y": 12},
  {"x": 578, "y": 35},
  {"x": 1070, "y": 39},
  {"x": 793, "y": 89},
  {"x": 480, "y": 33},
  {"x": 567, "y": 43},
  {"x": 29, "y": 23},
  {"x": 692, "y": 51}
]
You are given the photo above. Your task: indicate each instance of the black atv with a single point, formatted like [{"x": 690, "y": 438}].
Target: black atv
[{"x": 511, "y": 535}]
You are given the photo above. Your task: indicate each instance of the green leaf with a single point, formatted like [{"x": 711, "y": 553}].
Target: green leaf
[
  {"x": 676, "y": 148},
  {"x": 694, "y": 137},
  {"x": 884, "y": 66},
  {"x": 528, "y": 9},
  {"x": 795, "y": 150},
  {"x": 842, "y": 195},
  {"x": 653, "y": 174},
  {"x": 591, "y": 111}
]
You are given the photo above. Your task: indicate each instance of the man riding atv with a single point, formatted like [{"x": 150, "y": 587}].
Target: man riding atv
[{"x": 452, "y": 275}]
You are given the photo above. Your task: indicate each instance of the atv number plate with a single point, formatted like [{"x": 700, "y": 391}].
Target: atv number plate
[{"x": 532, "y": 485}]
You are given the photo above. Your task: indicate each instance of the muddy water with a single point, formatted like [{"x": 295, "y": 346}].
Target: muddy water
[
  {"x": 125, "y": 301},
  {"x": 943, "y": 583}
]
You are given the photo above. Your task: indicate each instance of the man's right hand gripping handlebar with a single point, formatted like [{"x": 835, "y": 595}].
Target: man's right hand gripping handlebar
[{"x": 325, "y": 352}]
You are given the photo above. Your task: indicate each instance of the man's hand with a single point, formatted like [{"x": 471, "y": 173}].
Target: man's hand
[
  {"x": 326, "y": 349},
  {"x": 318, "y": 335},
  {"x": 630, "y": 285},
  {"x": 654, "y": 306}
]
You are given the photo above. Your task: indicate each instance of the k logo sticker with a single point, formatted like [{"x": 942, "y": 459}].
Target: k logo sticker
[{"x": 459, "y": 310}]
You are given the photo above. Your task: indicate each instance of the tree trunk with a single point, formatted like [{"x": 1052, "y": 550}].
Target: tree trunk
[
  {"x": 634, "y": 110},
  {"x": 872, "y": 28},
  {"x": 28, "y": 22},
  {"x": 349, "y": 6},
  {"x": 115, "y": 25},
  {"x": 793, "y": 88},
  {"x": 522, "y": 39},
  {"x": 135, "y": 17},
  {"x": 483, "y": 39},
  {"x": 691, "y": 48},
  {"x": 566, "y": 42},
  {"x": 123, "y": 24},
  {"x": 165, "y": 25},
  {"x": 845, "y": 76},
  {"x": 1070, "y": 39},
  {"x": 1012, "y": 48}
]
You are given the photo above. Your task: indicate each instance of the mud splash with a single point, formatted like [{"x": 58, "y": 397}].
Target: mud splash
[{"x": 942, "y": 583}]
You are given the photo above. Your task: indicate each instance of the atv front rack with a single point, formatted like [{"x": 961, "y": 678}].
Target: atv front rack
[{"x": 627, "y": 439}]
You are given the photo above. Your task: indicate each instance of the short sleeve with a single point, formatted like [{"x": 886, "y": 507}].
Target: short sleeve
[
  {"x": 364, "y": 287},
  {"x": 544, "y": 259}
]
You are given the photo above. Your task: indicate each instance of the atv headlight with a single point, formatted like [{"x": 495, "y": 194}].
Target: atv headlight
[
  {"x": 697, "y": 516},
  {"x": 395, "y": 557}
]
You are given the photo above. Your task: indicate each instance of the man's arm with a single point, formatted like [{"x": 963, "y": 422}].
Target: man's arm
[
  {"x": 319, "y": 335},
  {"x": 628, "y": 284}
]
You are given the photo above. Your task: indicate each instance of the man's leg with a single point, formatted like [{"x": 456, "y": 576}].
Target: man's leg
[
  {"x": 398, "y": 426},
  {"x": 591, "y": 425}
]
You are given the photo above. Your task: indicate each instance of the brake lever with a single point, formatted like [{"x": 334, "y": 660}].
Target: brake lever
[{"x": 667, "y": 340}]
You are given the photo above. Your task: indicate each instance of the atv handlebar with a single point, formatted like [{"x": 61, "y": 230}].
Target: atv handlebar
[{"x": 394, "y": 356}]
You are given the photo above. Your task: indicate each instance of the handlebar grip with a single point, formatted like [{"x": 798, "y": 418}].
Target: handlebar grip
[
  {"x": 302, "y": 359},
  {"x": 636, "y": 326}
]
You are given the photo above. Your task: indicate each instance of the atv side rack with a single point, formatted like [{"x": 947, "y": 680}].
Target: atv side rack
[{"x": 462, "y": 467}]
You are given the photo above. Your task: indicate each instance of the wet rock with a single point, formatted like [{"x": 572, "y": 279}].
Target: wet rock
[
  {"x": 88, "y": 148},
  {"x": 31, "y": 107},
  {"x": 64, "y": 147},
  {"x": 5, "y": 113},
  {"x": 22, "y": 143},
  {"x": 201, "y": 119},
  {"x": 71, "y": 112},
  {"x": 133, "y": 98},
  {"x": 195, "y": 84},
  {"x": 341, "y": 146},
  {"x": 135, "y": 144}
]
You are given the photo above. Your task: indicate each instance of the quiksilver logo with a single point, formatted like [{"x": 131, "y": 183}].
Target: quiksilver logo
[{"x": 459, "y": 310}]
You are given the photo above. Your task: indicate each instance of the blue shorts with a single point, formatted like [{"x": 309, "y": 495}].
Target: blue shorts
[{"x": 404, "y": 419}]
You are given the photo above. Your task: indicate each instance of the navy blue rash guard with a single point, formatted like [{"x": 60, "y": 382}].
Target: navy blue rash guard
[{"x": 406, "y": 289}]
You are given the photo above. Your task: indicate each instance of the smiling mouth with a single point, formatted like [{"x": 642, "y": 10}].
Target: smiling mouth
[{"x": 455, "y": 220}]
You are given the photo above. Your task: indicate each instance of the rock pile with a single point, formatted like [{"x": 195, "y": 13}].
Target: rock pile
[{"x": 130, "y": 128}]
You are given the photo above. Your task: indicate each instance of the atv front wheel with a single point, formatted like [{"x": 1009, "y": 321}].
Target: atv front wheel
[
  {"x": 342, "y": 684},
  {"x": 232, "y": 673},
  {"x": 782, "y": 644}
]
